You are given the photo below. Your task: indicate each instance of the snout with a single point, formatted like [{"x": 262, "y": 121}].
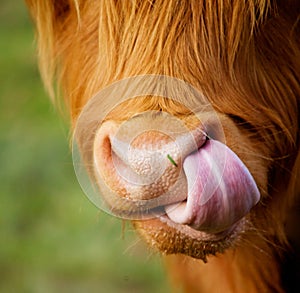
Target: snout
[
  {"x": 154, "y": 164},
  {"x": 141, "y": 160},
  {"x": 160, "y": 155}
]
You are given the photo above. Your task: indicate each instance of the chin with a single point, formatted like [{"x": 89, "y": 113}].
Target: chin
[{"x": 171, "y": 238}]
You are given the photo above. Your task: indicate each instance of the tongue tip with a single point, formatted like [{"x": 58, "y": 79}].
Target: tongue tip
[{"x": 178, "y": 213}]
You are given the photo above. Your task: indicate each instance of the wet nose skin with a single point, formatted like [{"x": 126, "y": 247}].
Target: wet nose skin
[
  {"x": 152, "y": 163},
  {"x": 143, "y": 164}
]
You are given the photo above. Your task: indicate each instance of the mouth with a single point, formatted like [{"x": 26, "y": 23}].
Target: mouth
[
  {"x": 214, "y": 191},
  {"x": 198, "y": 200},
  {"x": 213, "y": 215},
  {"x": 214, "y": 211},
  {"x": 169, "y": 237},
  {"x": 198, "y": 235}
]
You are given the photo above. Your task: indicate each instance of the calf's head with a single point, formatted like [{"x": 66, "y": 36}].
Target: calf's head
[{"x": 185, "y": 113}]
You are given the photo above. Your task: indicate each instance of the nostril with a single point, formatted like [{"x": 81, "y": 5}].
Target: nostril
[{"x": 102, "y": 147}]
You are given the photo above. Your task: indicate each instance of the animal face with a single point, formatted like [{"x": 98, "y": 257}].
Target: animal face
[
  {"x": 193, "y": 131},
  {"x": 168, "y": 169}
]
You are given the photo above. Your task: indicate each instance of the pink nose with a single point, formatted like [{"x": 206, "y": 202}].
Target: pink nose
[
  {"x": 197, "y": 182},
  {"x": 144, "y": 163}
]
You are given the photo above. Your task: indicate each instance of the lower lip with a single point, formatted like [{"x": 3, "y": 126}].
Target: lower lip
[{"x": 200, "y": 235}]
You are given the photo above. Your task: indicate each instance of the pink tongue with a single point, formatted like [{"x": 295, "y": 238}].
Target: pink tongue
[{"x": 221, "y": 190}]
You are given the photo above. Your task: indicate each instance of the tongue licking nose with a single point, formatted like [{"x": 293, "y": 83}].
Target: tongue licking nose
[
  {"x": 207, "y": 187},
  {"x": 221, "y": 189}
]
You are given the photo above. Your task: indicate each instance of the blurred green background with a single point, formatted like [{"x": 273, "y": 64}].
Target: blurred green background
[{"x": 52, "y": 238}]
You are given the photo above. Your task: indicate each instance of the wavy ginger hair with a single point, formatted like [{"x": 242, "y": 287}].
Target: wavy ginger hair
[{"x": 243, "y": 55}]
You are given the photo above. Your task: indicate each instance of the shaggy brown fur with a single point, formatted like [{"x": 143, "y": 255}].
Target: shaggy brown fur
[{"x": 244, "y": 57}]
